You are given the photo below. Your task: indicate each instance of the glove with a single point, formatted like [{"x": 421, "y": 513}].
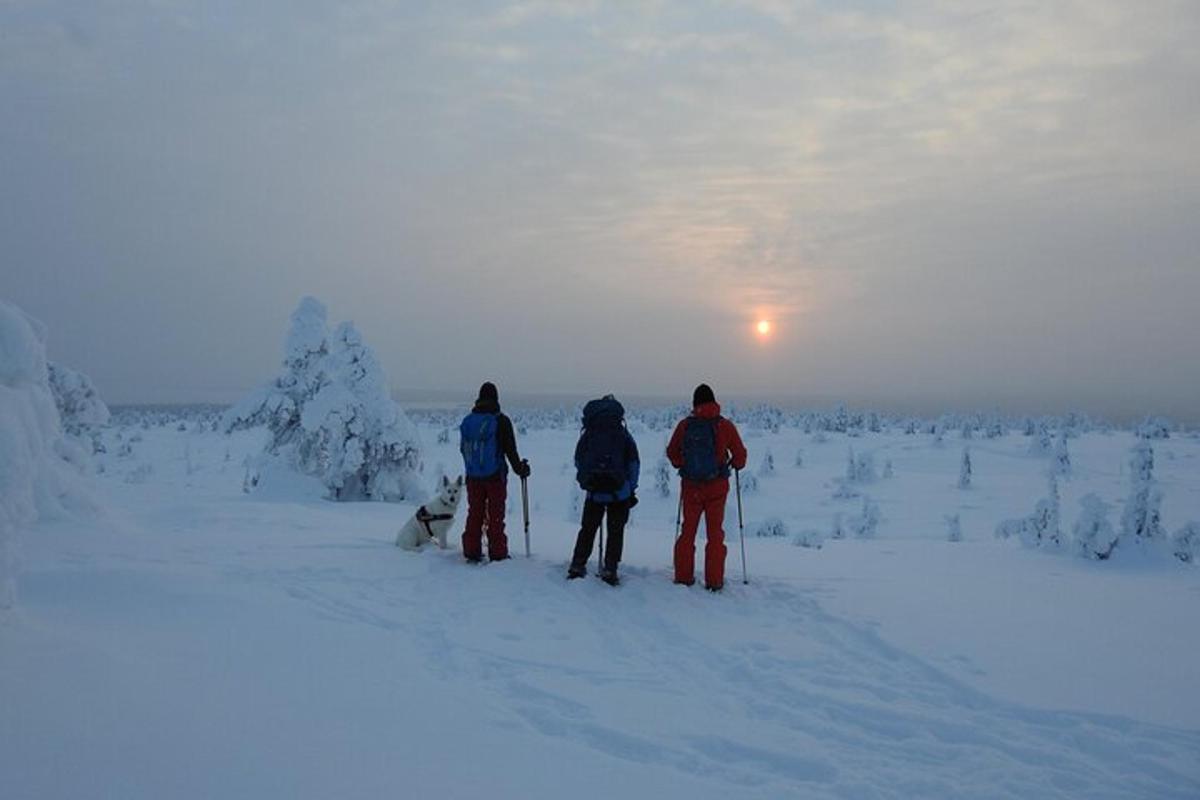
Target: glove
[
  {"x": 523, "y": 469},
  {"x": 633, "y": 501}
]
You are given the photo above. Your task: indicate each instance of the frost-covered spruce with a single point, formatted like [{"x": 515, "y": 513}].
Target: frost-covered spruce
[
  {"x": 964, "y": 469},
  {"x": 1041, "y": 528},
  {"x": 767, "y": 467},
  {"x": 860, "y": 467},
  {"x": 1093, "y": 536},
  {"x": 1141, "y": 519},
  {"x": 799, "y": 460},
  {"x": 662, "y": 478},
  {"x": 865, "y": 524},
  {"x": 888, "y": 470},
  {"x": 330, "y": 415},
  {"x": 1061, "y": 465}
]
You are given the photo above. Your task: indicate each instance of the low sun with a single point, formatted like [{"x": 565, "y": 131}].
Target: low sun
[{"x": 763, "y": 327}]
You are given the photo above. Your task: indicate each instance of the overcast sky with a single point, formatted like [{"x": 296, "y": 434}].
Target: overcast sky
[{"x": 953, "y": 204}]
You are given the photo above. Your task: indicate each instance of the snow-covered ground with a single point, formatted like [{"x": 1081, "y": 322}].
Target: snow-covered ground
[{"x": 191, "y": 640}]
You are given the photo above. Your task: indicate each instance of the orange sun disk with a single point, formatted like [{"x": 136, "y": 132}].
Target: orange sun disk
[{"x": 763, "y": 327}]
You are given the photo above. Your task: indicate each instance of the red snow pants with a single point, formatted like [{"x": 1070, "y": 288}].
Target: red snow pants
[
  {"x": 707, "y": 498},
  {"x": 485, "y": 501}
]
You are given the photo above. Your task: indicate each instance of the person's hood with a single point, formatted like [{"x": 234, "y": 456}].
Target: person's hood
[{"x": 707, "y": 410}]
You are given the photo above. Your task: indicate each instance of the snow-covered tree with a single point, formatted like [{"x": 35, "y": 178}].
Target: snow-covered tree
[
  {"x": 888, "y": 470},
  {"x": 1154, "y": 428},
  {"x": 770, "y": 528},
  {"x": 79, "y": 405},
  {"x": 964, "y": 470},
  {"x": 767, "y": 467},
  {"x": 1093, "y": 535},
  {"x": 330, "y": 415},
  {"x": 1141, "y": 520},
  {"x": 1041, "y": 528}
]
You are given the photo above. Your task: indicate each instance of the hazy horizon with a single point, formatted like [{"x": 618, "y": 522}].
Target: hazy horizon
[{"x": 938, "y": 205}]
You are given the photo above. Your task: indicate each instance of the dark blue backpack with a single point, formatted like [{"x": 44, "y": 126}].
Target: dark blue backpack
[
  {"x": 600, "y": 455},
  {"x": 700, "y": 450},
  {"x": 479, "y": 446}
]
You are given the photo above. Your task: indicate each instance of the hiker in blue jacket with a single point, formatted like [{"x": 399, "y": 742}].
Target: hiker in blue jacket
[{"x": 607, "y": 467}]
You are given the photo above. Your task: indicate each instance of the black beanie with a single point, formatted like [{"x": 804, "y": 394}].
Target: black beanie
[
  {"x": 488, "y": 392},
  {"x": 702, "y": 395}
]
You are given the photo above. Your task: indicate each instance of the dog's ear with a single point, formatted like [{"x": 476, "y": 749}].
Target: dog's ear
[
  {"x": 445, "y": 481},
  {"x": 460, "y": 479}
]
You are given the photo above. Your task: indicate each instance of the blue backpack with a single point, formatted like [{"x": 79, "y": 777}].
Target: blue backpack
[
  {"x": 479, "y": 445},
  {"x": 700, "y": 450},
  {"x": 600, "y": 455}
]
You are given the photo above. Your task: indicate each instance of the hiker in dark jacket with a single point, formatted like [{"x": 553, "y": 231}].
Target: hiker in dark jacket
[
  {"x": 703, "y": 448},
  {"x": 486, "y": 442},
  {"x": 607, "y": 466}
]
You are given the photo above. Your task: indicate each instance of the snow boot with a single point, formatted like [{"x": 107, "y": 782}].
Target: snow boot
[
  {"x": 576, "y": 572},
  {"x": 609, "y": 576}
]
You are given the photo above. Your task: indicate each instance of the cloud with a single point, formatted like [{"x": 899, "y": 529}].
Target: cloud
[{"x": 831, "y": 164}]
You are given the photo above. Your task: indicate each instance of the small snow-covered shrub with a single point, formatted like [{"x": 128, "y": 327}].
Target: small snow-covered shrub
[
  {"x": 1093, "y": 535},
  {"x": 865, "y": 524},
  {"x": 799, "y": 460},
  {"x": 749, "y": 483},
  {"x": 964, "y": 469},
  {"x": 330, "y": 415},
  {"x": 770, "y": 527},
  {"x": 809, "y": 537},
  {"x": 888, "y": 470},
  {"x": 953, "y": 528},
  {"x": 860, "y": 467},
  {"x": 1186, "y": 543},
  {"x": 839, "y": 528}
]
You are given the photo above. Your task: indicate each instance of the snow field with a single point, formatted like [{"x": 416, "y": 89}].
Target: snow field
[{"x": 203, "y": 642}]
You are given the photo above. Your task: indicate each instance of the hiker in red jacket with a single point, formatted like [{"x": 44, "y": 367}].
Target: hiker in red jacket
[{"x": 703, "y": 448}]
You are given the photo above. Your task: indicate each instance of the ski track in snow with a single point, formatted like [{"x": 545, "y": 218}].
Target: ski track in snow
[{"x": 803, "y": 704}]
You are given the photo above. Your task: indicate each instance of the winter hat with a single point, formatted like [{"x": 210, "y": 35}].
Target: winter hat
[
  {"x": 488, "y": 392},
  {"x": 702, "y": 395}
]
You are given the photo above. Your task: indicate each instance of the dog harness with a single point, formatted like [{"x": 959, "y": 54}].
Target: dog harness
[{"x": 424, "y": 517}]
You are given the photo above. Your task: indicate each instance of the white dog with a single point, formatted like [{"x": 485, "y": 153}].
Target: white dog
[{"x": 432, "y": 520}]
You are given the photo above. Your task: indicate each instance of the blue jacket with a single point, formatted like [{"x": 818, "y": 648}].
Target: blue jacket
[{"x": 633, "y": 469}]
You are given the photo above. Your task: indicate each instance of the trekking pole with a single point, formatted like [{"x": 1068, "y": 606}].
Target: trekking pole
[
  {"x": 737, "y": 480},
  {"x": 679, "y": 514},
  {"x": 525, "y": 510},
  {"x": 603, "y": 528}
]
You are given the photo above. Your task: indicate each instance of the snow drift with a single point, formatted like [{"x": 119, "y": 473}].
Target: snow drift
[{"x": 35, "y": 480}]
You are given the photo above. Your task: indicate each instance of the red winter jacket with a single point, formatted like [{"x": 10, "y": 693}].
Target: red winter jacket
[{"x": 730, "y": 449}]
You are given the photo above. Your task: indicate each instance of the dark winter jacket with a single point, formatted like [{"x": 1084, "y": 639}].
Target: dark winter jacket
[
  {"x": 730, "y": 449},
  {"x": 633, "y": 470},
  {"x": 506, "y": 438}
]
